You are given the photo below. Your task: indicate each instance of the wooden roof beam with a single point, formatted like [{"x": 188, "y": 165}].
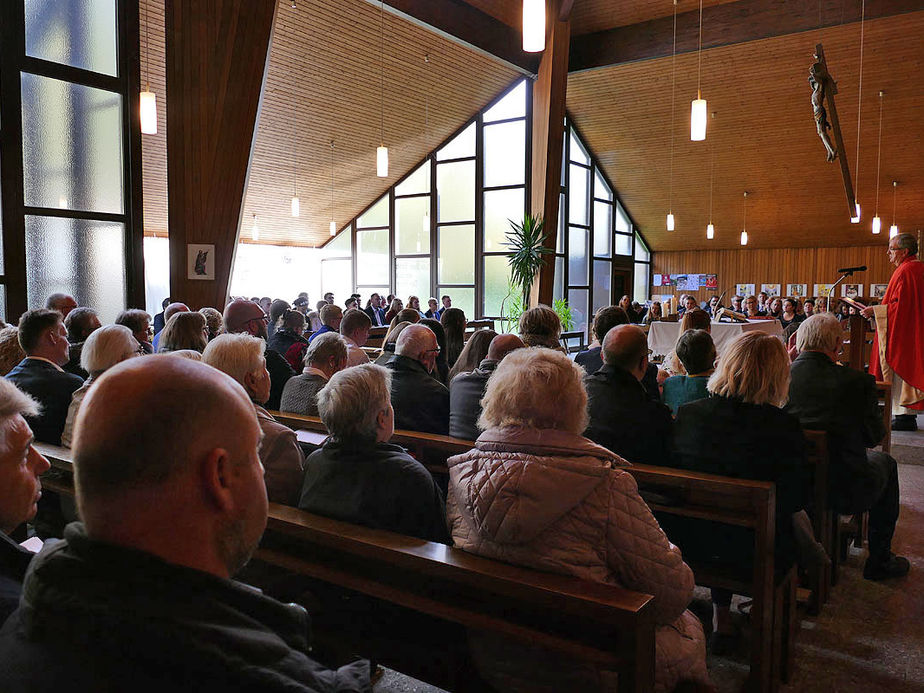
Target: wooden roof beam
[{"x": 723, "y": 25}]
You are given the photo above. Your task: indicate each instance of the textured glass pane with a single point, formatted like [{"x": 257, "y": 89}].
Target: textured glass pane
[
  {"x": 340, "y": 245},
  {"x": 72, "y": 145},
  {"x": 460, "y": 146},
  {"x": 560, "y": 235},
  {"x": 2, "y": 302},
  {"x": 601, "y": 189},
  {"x": 335, "y": 277},
  {"x": 456, "y": 258},
  {"x": 577, "y": 301},
  {"x": 602, "y": 280},
  {"x": 578, "y": 153},
  {"x": 417, "y": 182},
  {"x": 496, "y": 284},
  {"x": 641, "y": 252},
  {"x": 578, "y": 195},
  {"x": 577, "y": 256},
  {"x": 505, "y": 154},
  {"x": 463, "y": 299},
  {"x": 558, "y": 289},
  {"x": 455, "y": 189},
  {"x": 622, "y": 221},
  {"x": 623, "y": 244},
  {"x": 412, "y": 225},
  {"x": 641, "y": 282},
  {"x": 513, "y": 105},
  {"x": 372, "y": 257},
  {"x": 83, "y": 258},
  {"x": 377, "y": 215},
  {"x": 603, "y": 228},
  {"x": 79, "y": 33},
  {"x": 500, "y": 206},
  {"x": 412, "y": 278}
]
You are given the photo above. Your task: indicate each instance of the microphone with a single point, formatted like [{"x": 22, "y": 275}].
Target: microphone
[{"x": 861, "y": 268}]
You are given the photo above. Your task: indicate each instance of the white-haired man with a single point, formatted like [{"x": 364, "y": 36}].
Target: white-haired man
[
  {"x": 421, "y": 402},
  {"x": 843, "y": 402},
  {"x": 326, "y": 355}
]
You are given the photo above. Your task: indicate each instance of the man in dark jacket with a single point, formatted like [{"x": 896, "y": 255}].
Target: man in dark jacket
[
  {"x": 160, "y": 319},
  {"x": 80, "y": 323},
  {"x": 622, "y": 416},
  {"x": 839, "y": 400},
  {"x": 375, "y": 311},
  {"x": 140, "y": 597},
  {"x": 43, "y": 337},
  {"x": 467, "y": 389},
  {"x": 421, "y": 402}
]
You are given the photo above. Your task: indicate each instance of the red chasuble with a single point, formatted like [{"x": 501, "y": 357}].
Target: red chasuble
[{"x": 905, "y": 350}]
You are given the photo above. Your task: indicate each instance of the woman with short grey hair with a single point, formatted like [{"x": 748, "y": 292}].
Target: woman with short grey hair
[{"x": 357, "y": 475}]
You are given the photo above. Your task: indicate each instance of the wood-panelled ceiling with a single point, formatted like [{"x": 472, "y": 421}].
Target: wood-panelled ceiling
[
  {"x": 763, "y": 137},
  {"x": 323, "y": 83}
]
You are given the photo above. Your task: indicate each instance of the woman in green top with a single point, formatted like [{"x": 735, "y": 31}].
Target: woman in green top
[{"x": 696, "y": 352}]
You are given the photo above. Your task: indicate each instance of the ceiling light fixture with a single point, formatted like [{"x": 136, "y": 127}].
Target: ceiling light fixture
[
  {"x": 877, "y": 222},
  {"x": 710, "y": 229},
  {"x": 333, "y": 224},
  {"x": 893, "y": 229},
  {"x": 255, "y": 230},
  {"x": 533, "y": 26},
  {"x": 744, "y": 227},
  {"x": 855, "y": 219},
  {"x": 670, "y": 194},
  {"x": 381, "y": 153},
  {"x": 148, "y": 101},
  {"x": 698, "y": 105}
]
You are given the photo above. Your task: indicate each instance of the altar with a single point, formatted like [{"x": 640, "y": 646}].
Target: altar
[{"x": 663, "y": 335}]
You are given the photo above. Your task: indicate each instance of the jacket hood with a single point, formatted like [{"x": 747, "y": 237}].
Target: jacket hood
[{"x": 517, "y": 482}]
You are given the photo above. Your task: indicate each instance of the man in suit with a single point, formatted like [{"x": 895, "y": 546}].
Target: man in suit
[
  {"x": 374, "y": 310},
  {"x": 43, "y": 337},
  {"x": 843, "y": 402},
  {"x": 420, "y": 401},
  {"x": 604, "y": 320}
]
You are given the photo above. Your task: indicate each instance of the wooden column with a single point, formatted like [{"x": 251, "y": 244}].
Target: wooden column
[
  {"x": 549, "y": 93},
  {"x": 217, "y": 54}
]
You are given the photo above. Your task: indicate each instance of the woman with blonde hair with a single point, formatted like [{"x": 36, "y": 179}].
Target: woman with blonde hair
[
  {"x": 518, "y": 496},
  {"x": 540, "y": 326},
  {"x": 397, "y": 305},
  {"x": 186, "y": 330}
]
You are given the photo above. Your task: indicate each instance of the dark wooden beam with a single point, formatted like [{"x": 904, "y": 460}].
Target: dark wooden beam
[
  {"x": 462, "y": 22},
  {"x": 564, "y": 12},
  {"x": 723, "y": 25},
  {"x": 216, "y": 66},
  {"x": 548, "y": 130}
]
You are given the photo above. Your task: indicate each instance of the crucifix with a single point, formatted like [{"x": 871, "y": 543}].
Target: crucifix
[{"x": 823, "y": 90}]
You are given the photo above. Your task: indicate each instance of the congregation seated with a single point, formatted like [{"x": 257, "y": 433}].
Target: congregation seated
[
  {"x": 139, "y": 322},
  {"x": 696, "y": 352},
  {"x": 80, "y": 324},
  {"x": 808, "y": 307},
  {"x": 139, "y": 594},
  {"x": 687, "y": 303},
  {"x": 43, "y": 338},
  {"x": 314, "y": 317},
  {"x": 241, "y": 357},
  {"x": 246, "y": 316},
  {"x": 432, "y": 309},
  {"x": 20, "y": 468},
  {"x": 277, "y": 309},
  {"x": 354, "y": 328},
  {"x": 453, "y": 322},
  {"x": 357, "y": 475},
  {"x": 103, "y": 349},
  {"x": 790, "y": 315},
  {"x": 623, "y": 418},
  {"x": 540, "y": 326},
  {"x": 290, "y": 331},
  {"x": 169, "y": 312},
  {"x": 473, "y": 353},
  {"x": 467, "y": 389},
  {"x": 394, "y": 307},
  {"x": 184, "y": 330},
  {"x": 326, "y": 355},
  {"x": 212, "y": 322},
  {"x": 375, "y": 311},
  {"x": 695, "y": 319},
  {"x": 654, "y": 313},
  {"x": 752, "y": 309},
  {"x": 441, "y": 368},
  {"x": 330, "y": 316},
  {"x": 632, "y": 314},
  {"x": 389, "y": 342},
  {"x": 843, "y": 402},
  {"x": 420, "y": 401},
  {"x": 534, "y": 492},
  {"x": 737, "y": 303},
  {"x": 605, "y": 319},
  {"x": 61, "y": 302}
]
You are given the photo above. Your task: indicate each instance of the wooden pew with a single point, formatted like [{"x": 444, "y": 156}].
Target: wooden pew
[
  {"x": 823, "y": 516},
  {"x": 603, "y": 625}
]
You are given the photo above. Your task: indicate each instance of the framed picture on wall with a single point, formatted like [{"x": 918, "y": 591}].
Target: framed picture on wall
[
  {"x": 744, "y": 290},
  {"x": 851, "y": 290},
  {"x": 796, "y": 290},
  {"x": 200, "y": 261},
  {"x": 822, "y": 290},
  {"x": 770, "y": 289},
  {"x": 877, "y": 290}
]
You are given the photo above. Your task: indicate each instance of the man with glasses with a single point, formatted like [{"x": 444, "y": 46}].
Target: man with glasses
[
  {"x": 246, "y": 316},
  {"x": 420, "y": 401}
]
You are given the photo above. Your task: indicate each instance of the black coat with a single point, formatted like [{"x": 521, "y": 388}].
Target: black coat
[
  {"x": 465, "y": 393},
  {"x": 624, "y": 419},
  {"x": 421, "y": 402},
  {"x": 376, "y": 485},
  {"x": 97, "y": 617},
  {"x": 591, "y": 361},
  {"x": 376, "y": 315},
  {"x": 281, "y": 340},
  {"x": 14, "y": 560},
  {"x": 280, "y": 371},
  {"x": 52, "y": 389}
]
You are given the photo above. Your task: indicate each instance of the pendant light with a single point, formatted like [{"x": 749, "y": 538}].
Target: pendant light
[
  {"x": 744, "y": 226},
  {"x": 533, "y": 26},
  {"x": 381, "y": 153},
  {"x": 148, "y": 100},
  {"x": 255, "y": 230},
  {"x": 698, "y": 106},
  {"x": 855, "y": 219},
  {"x": 877, "y": 222},
  {"x": 710, "y": 229},
  {"x": 893, "y": 229},
  {"x": 333, "y": 224},
  {"x": 426, "y": 217},
  {"x": 670, "y": 195}
]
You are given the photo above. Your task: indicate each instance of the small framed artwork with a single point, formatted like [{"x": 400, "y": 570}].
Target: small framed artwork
[
  {"x": 796, "y": 290},
  {"x": 823, "y": 290},
  {"x": 851, "y": 290},
  {"x": 770, "y": 289},
  {"x": 877, "y": 290},
  {"x": 200, "y": 261},
  {"x": 744, "y": 290}
]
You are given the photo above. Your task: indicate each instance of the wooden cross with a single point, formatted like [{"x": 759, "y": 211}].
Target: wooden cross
[{"x": 823, "y": 90}]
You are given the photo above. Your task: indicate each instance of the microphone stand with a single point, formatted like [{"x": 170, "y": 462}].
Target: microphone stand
[{"x": 834, "y": 286}]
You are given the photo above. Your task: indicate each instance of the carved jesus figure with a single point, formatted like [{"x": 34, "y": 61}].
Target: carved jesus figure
[{"x": 817, "y": 77}]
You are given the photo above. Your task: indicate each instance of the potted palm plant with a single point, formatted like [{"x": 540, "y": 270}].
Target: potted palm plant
[{"x": 525, "y": 243}]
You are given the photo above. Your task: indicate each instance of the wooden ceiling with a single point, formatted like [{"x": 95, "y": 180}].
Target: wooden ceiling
[{"x": 763, "y": 137}]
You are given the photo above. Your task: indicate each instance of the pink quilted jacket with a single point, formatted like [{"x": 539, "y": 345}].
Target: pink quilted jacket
[{"x": 554, "y": 501}]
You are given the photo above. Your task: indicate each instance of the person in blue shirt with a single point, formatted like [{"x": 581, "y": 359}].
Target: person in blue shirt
[{"x": 696, "y": 352}]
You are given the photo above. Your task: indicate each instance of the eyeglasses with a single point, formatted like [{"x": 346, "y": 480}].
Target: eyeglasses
[
  {"x": 432, "y": 351},
  {"x": 264, "y": 318}
]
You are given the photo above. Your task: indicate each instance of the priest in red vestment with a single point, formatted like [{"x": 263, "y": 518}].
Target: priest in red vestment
[{"x": 899, "y": 337}]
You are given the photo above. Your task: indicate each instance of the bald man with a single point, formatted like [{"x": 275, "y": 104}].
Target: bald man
[
  {"x": 63, "y": 303},
  {"x": 467, "y": 389},
  {"x": 170, "y": 488},
  {"x": 622, "y": 416},
  {"x": 420, "y": 401}
]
